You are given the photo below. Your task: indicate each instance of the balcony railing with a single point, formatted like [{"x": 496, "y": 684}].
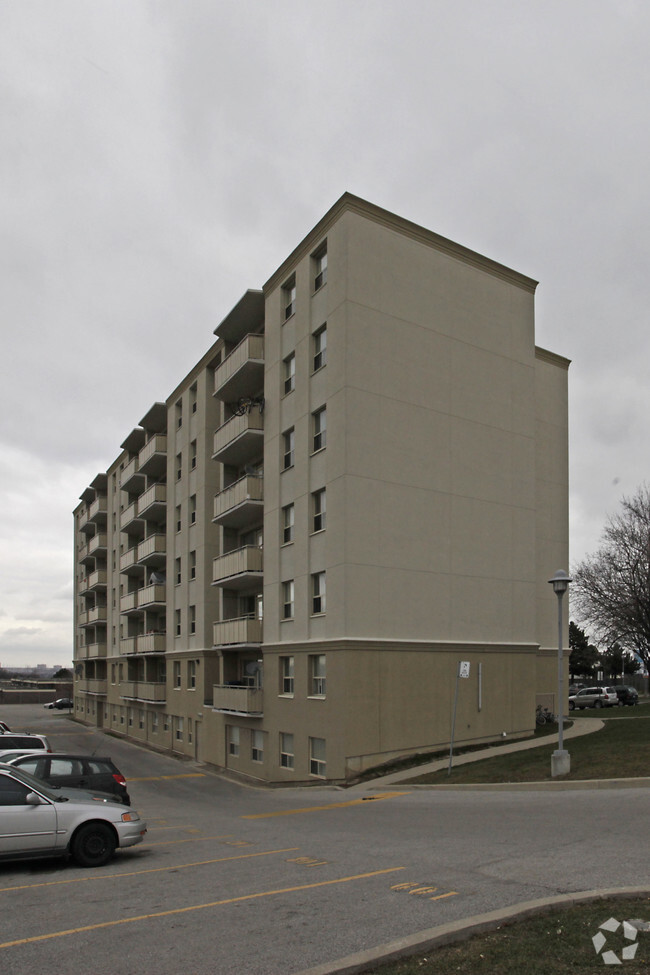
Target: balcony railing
[
  {"x": 152, "y": 504},
  {"x": 153, "y": 456},
  {"x": 240, "y": 569},
  {"x": 92, "y": 686},
  {"x": 97, "y": 510},
  {"x": 244, "y": 630},
  {"x": 96, "y": 580},
  {"x": 129, "y": 602},
  {"x": 152, "y": 551},
  {"x": 98, "y": 543},
  {"x": 129, "y": 520},
  {"x": 239, "y": 503},
  {"x": 129, "y": 561},
  {"x": 239, "y": 438},
  {"x": 242, "y": 372},
  {"x": 144, "y": 643},
  {"x": 132, "y": 477},
  {"x": 144, "y": 690},
  {"x": 153, "y": 595},
  {"x": 240, "y": 700},
  {"x": 93, "y": 650}
]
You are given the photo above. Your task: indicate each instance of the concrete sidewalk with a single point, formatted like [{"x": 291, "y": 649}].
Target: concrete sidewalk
[{"x": 583, "y": 726}]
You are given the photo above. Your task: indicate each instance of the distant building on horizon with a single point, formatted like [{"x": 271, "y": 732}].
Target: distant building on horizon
[{"x": 362, "y": 484}]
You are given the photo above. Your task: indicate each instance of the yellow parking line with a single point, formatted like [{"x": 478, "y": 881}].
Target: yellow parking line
[
  {"x": 195, "y": 907},
  {"x": 331, "y": 805},
  {"x": 137, "y": 873}
]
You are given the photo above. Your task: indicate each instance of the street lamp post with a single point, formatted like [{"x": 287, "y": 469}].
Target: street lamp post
[{"x": 560, "y": 759}]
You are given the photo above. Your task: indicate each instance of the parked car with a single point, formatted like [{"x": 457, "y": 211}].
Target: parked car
[
  {"x": 593, "y": 697},
  {"x": 36, "y": 821},
  {"x": 626, "y": 695},
  {"x": 27, "y": 742},
  {"x": 88, "y": 772},
  {"x": 4, "y": 727},
  {"x": 60, "y": 704}
]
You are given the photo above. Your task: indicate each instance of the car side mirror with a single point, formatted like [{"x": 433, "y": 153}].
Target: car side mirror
[{"x": 33, "y": 799}]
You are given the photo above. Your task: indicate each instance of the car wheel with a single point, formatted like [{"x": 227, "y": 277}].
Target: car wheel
[
  {"x": 93, "y": 845},
  {"x": 571, "y": 706},
  {"x": 598, "y": 704}
]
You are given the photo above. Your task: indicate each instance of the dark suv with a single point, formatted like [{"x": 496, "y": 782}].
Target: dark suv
[
  {"x": 626, "y": 695},
  {"x": 76, "y": 771}
]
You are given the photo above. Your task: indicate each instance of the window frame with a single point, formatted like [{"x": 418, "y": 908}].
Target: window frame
[
  {"x": 319, "y": 510},
  {"x": 287, "y": 675},
  {"x": 319, "y": 429},
  {"x": 319, "y": 348},
  {"x": 317, "y": 675},
  {"x": 289, "y": 373},
  {"x": 289, "y": 298},
  {"x": 318, "y": 593},
  {"x": 288, "y": 448},
  {"x": 317, "y": 764},
  {"x": 288, "y": 599},
  {"x": 319, "y": 267},
  {"x": 257, "y": 745},
  {"x": 287, "y": 753},
  {"x": 288, "y": 523}
]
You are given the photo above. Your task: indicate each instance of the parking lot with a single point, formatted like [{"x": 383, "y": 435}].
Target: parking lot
[{"x": 232, "y": 878}]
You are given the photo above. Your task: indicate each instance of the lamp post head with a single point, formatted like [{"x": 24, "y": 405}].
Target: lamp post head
[{"x": 560, "y": 582}]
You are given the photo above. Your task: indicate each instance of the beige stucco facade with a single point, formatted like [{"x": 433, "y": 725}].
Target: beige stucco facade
[{"x": 368, "y": 485}]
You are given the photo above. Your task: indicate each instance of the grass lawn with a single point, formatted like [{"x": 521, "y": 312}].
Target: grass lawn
[
  {"x": 558, "y": 942},
  {"x": 620, "y": 750}
]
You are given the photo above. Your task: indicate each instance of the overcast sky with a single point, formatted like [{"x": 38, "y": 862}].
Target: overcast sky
[{"x": 159, "y": 158}]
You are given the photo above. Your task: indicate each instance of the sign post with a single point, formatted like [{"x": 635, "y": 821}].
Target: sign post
[{"x": 463, "y": 671}]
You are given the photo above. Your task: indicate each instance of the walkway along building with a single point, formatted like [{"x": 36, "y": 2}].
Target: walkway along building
[{"x": 362, "y": 483}]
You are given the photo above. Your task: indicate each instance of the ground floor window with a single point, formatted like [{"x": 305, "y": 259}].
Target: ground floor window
[
  {"x": 317, "y": 760},
  {"x": 286, "y": 750},
  {"x": 233, "y": 742},
  {"x": 257, "y": 746}
]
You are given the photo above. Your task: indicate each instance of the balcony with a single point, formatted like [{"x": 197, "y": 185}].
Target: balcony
[
  {"x": 129, "y": 604},
  {"x": 151, "y": 597},
  {"x": 95, "y": 582},
  {"x": 98, "y": 544},
  {"x": 153, "y": 456},
  {"x": 129, "y": 521},
  {"x": 92, "y": 651},
  {"x": 153, "y": 551},
  {"x": 152, "y": 505},
  {"x": 128, "y": 645},
  {"x": 92, "y": 686},
  {"x": 129, "y": 563},
  {"x": 92, "y": 616},
  {"x": 240, "y": 503},
  {"x": 152, "y": 643},
  {"x": 243, "y": 631},
  {"x": 84, "y": 557},
  {"x": 155, "y": 692},
  {"x": 242, "y": 372},
  {"x": 132, "y": 478},
  {"x": 241, "y": 569},
  {"x": 240, "y": 438},
  {"x": 238, "y": 700},
  {"x": 98, "y": 511}
]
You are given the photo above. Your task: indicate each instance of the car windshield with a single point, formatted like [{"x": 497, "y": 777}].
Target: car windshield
[{"x": 33, "y": 783}]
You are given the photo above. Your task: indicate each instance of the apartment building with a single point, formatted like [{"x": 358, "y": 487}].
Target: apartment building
[{"x": 362, "y": 484}]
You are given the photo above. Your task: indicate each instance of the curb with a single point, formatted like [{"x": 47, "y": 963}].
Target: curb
[{"x": 458, "y": 931}]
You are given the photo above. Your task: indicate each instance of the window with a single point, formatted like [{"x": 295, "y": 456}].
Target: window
[
  {"x": 193, "y": 509},
  {"x": 288, "y": 515},
  {"x": 317, "y": 762},
  {"x": 233, "y": 741},
  {"x": 178, "y": 622},
  {"x": 140, "y": 719},
  {"x": 193, "y": 455},
  {"x": 286, "y": 750},
  {"x": 319, "y": 511},
  {"x": 179, "y": 729},
  {"x": 177, "y": 571},
  {"x": 317, "y": 675},
  {"x": 318, "y": 586},
  {"x": 320, "y": 348},
  {"x": 179, "y": 466},
  {"x": 193, "y": 398},
  {"x": 290, "y": 373},
  {"x": 288, "y": 448},
  {"x": 257, "y": 746},
  {"x": 178, "y": 517},
  {"x": 179, "y": 413},
  {"x": 287, "y": 600},
  {"x": 320, "y": 267},
  {"x": 193, "y": 564},
  {"x": 177, "y": 673},
  {"x": 192, "y": 619},
  {"x": 319, "y": 426},
  {"x": 289, "y": 298},
  {"x": 154, "y": 722},
  {"x": 191, "y": 674},
  {"x": 286, "y": 675}
]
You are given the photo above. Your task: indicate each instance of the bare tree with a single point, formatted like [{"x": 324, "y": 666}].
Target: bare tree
[{"x": 611, "y": 589}]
